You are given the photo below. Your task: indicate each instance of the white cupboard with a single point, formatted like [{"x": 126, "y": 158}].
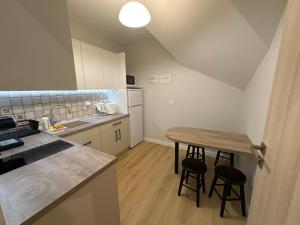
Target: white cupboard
[
  {"x": 115, "y": 136},
  {"x": 92, "y": 67},
  {"x": 111, "y": 138},
  {"x": 110, "y": 69},
  {"x": 98, "y": 68},
  {"x": 78, "y": 65}
]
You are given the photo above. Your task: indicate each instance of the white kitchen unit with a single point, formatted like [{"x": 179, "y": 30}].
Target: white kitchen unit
[
  {"x": 110, "y": 69},
  {"x": 92, "y": 67},
  {"x": 115, "y": 136},
  {"x": 135, "y": 109},
  {"x": 111, "y": 138},
  {"x": 90, "y": 138},
  {"x": 78, "y": 65},
  {"x": 98, "y": 68}
]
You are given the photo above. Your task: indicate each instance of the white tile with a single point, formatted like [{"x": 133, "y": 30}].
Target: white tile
[
  {"x": 29, "y": 115},
  {"x": 4, "y": 102},
  {"x": 18, "y": 109}
]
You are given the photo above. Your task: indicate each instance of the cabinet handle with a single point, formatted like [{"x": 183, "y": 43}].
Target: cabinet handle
[
  {"x": 114, "y": 124},
  {"x": 120, "y": 136},
  {"x": 116, "y": 133},
  {"x": 87, "y": 143}
]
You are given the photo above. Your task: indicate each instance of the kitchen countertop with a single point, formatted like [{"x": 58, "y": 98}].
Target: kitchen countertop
[
  {"x": 28, "y": 192},
  {"x": 93, "y": 121}
]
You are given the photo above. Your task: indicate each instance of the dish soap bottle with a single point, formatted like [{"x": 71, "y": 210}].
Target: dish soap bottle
[{"x": 45, "y": 122}]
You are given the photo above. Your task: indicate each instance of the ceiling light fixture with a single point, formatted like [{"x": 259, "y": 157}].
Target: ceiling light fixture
[{"x": 134, "y": 14}]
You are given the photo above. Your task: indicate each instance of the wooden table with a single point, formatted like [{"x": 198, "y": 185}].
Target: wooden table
[{"x": 215, "y": 140}]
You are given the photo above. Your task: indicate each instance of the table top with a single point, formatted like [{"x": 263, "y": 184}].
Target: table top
[{"x": 218, "y": 140}]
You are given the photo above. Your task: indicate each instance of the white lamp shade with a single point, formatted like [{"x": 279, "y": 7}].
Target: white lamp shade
[{"x": 134, "y": 15}]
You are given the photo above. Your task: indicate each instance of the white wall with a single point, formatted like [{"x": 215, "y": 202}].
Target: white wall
[
  {"x": 256, "y": 104},
  {"x": 258, "y": 91},
  {"x": 36, "y": 50},
  {"x": 199, "y": 101},
  {"x": 87, "y": 35}
]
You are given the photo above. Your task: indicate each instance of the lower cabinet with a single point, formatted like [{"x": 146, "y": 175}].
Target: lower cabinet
[
  {"x": 111, "y": 138},
  {"x": 115, "y": 136},
  {"x": 90, "y": 138}
]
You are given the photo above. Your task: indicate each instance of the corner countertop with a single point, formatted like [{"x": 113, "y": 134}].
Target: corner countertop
[
  {"x": 28, "y": 192},
  {"x": 93, "y": 121}
]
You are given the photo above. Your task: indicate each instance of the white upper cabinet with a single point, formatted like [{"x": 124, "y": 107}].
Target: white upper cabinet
[
  {"x": 98, "y": 68},
  {"x": 92, "y": 67},
  {"x": 78, "y": 65},
  {"x": 110, "y": 69}
]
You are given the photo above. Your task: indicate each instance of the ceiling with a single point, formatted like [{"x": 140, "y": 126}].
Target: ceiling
[
  {"x": 102, "y": 17},
  {"x": 224, "y": 39}
]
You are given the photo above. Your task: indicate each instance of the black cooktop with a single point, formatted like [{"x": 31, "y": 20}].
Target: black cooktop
[{"x": 23, "y": 158}]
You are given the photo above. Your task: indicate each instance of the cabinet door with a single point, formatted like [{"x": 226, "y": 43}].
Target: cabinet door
[
  {"x": 121, "y": 81},
  {"x": 92, "y": 68},
  {"x": 123, "y": 134},
  {"x": 109, "y": 135},
  {"x": 78, "y": 64},
  {"x": 90, "y": 138},
  {"x": 110, "y": 69},
  {"x": 115, "y": 136}
]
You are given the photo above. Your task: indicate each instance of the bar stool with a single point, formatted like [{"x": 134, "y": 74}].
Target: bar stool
[
  {"x": 230, "y": 176},
  {"x": 197, "y": 167},
  {"x": 231, "y": 157},
  {"x": 195, "y": 152}
]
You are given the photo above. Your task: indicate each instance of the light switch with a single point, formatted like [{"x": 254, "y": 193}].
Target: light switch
[
  {"x": 165, "y": 78},
  {"x": 171, "y": 102}
]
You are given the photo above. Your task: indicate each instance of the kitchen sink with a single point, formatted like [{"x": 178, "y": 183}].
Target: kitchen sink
[{"x": 74, "y": 124}]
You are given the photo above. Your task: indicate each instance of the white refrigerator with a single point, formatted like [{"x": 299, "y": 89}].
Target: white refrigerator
[{"x": 135, "y": 109}]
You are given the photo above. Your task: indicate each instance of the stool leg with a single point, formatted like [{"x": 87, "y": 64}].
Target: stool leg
[
  {"x": 203, "y": 155},
  {"x": 224, "y": 197},
  {"x": 203, "y": 182},
  {"x": 232, "y": 159},
  {"x": 187, "y": 177},
  {"x": 193, "y": 154},
  {"x": 188, "y": 151},
  {"x": 212, "y": 188},
  {"x": 229, "y": 190},
  {"x": 243, "y": 203},
  {"x": 198, "y": 189},
  {"x": 181, "y": 181},
  {"x": 217, "y": 157}
]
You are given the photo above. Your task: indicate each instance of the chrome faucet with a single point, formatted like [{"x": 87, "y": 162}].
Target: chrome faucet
[{"x": 51, "y": 112}]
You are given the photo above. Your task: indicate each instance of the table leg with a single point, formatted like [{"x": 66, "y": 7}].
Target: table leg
[{"x": 176, "y": 156}]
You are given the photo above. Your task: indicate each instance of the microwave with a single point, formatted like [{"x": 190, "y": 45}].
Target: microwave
[{"x": 130, "y": 80}]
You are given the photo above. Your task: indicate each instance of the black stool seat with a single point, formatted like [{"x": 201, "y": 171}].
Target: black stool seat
[
  {"x": 230, "y": 174},
  {"x": 194, "y": 165},
  {"x": 197, "y": 168}
]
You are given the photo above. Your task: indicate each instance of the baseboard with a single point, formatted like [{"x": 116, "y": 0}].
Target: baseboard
[{"x": 171, "y": 144}]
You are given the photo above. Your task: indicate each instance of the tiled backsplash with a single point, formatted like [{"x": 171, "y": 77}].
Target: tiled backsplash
[{"x": 35, "y": 104}]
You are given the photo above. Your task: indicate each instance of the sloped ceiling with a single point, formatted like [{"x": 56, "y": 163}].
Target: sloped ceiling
[
  {"x": 220, "y": 38},
  {"x": 101, "y": 16},
  {"x": 224, "y": 39}
]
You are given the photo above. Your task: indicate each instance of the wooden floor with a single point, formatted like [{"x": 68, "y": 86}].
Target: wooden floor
[{"x": 148, "y": 192}]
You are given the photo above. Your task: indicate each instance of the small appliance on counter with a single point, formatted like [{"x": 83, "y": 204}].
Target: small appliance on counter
[
  {"x": 11, "y": 131},
  {"x": 106, "y": 108}
]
